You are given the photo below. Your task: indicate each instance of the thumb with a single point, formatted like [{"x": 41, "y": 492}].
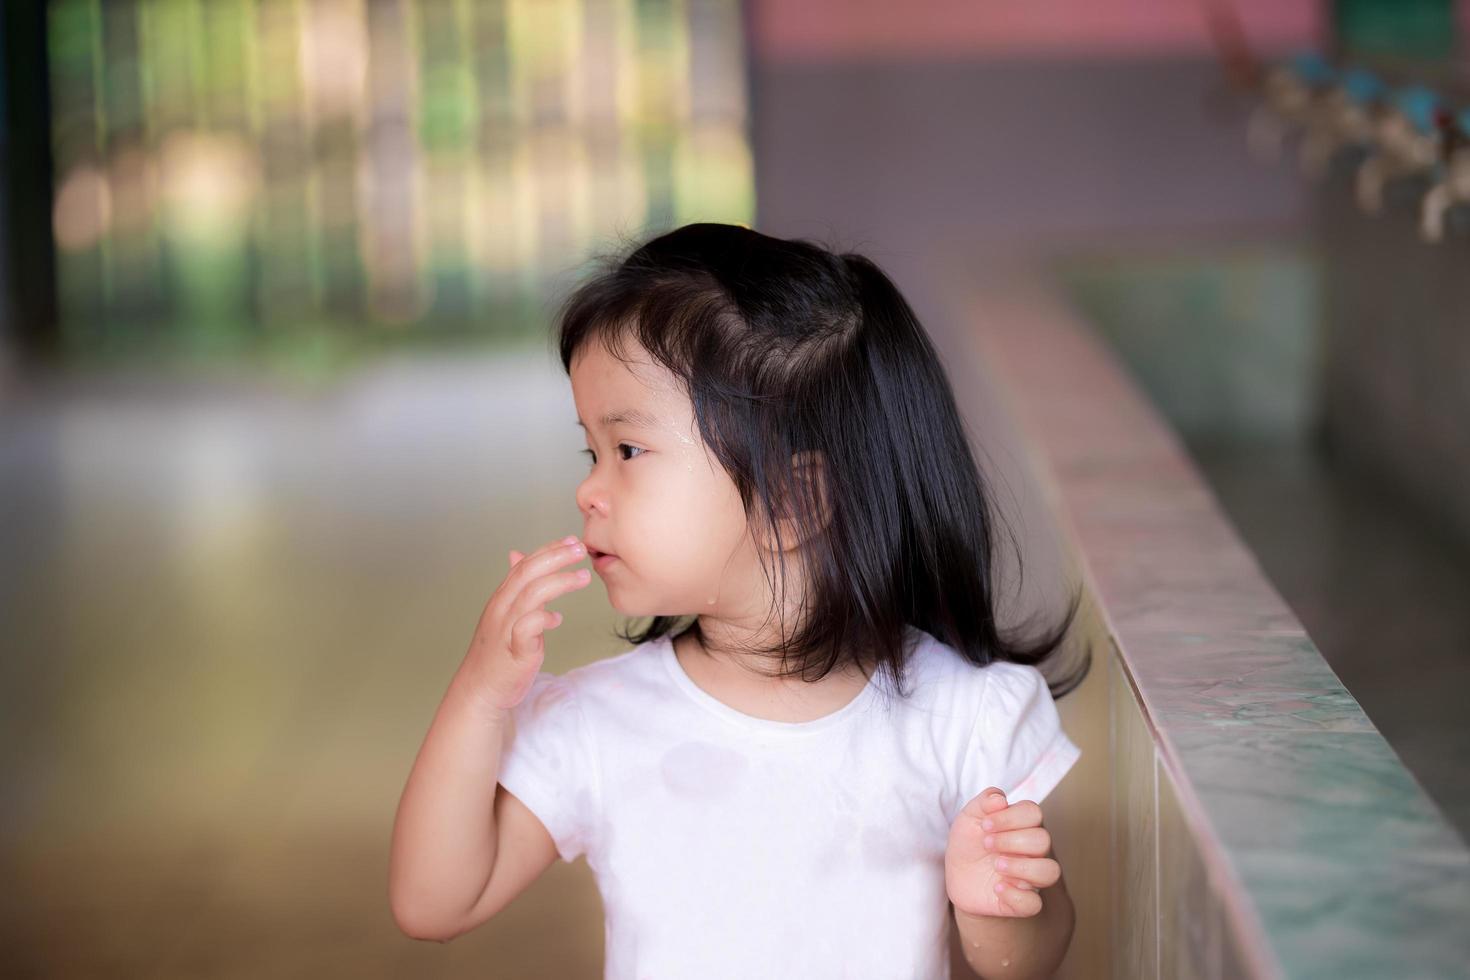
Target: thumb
[{"x": 986, "y": 802}]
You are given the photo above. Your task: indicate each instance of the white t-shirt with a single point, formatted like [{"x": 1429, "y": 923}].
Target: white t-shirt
[{"x": 729, "y": 846}]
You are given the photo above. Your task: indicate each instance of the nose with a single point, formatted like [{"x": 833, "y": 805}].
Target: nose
[{"x": 590, "y": 495}]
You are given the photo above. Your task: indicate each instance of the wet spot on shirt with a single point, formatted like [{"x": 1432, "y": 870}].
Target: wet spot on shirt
[
  {"x": 702, "y": 770},
  {"x": 839, "y": 849},
  {"x": 881, "y": 849}
]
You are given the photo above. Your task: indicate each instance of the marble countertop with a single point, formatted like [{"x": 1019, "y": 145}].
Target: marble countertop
[{"x": 1341, "y": 863}]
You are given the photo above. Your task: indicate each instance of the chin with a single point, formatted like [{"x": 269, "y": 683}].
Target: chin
[
  {"x": 621, "y": 603},
  {"x": 634, "y": 608}
]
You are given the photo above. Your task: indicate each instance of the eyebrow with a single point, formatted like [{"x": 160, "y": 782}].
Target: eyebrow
[{"x": 631, "y": 416}]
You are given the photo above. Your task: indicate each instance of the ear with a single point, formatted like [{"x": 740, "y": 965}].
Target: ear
[
  {"x": 810, "y": 469},
  {"x": 809, "y": 479}
]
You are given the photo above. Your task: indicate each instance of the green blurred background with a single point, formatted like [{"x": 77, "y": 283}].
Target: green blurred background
[{"x": 300, "y": 182}]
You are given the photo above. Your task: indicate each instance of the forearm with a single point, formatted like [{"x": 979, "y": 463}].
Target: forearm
[
  {"x": 1019, "y": 948},
  {"x": 444, "y": 836}
]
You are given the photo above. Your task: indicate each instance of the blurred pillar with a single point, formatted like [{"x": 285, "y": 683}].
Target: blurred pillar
[{"x": 27, "y": 250}]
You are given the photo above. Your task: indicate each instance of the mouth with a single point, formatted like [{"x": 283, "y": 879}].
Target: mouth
[{"x": 600, "y": 559}]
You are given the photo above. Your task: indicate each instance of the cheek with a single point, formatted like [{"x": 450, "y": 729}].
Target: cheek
[{"x": 686, "y": 529}]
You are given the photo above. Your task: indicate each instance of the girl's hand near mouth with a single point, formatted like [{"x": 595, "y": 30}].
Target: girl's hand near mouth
[{"x": 508, "y": 647}]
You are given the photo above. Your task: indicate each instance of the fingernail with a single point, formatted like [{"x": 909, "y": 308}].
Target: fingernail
[
  {"x": 989, "y": 842},
  {"x": 1002, "y": 863},
  {"x": 569, "y": 539},
  {"x": 584, "y": 575},
  {"x": 988, "y": 824}
]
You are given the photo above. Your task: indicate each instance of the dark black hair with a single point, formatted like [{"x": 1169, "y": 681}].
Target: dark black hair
[{"x": 789, "y": 352}]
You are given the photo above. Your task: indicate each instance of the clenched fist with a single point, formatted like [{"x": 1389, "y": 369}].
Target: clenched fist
[{"x": 995, "y": 861}]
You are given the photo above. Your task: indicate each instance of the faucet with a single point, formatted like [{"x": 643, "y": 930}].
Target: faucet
[
  {"x": 1408, "y": 141},
  {"x": 1290, "y": 92},
  {"x": 1453, "y": 186},
  {"x": 1344, "y": 116}
]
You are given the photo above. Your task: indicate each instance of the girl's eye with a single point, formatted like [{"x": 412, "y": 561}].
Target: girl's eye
[{"x": 622, "y": 445}]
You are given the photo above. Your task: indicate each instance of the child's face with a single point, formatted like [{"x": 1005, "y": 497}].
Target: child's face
[{"x": 655, "y": 497}]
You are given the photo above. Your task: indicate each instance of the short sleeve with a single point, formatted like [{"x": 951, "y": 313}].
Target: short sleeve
[
  {"x": 550, "y": 763},
  {"x": 1018, "y": 743}
]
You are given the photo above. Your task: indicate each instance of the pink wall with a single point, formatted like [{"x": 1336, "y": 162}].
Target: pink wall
[{"x": 816, "y": 30}]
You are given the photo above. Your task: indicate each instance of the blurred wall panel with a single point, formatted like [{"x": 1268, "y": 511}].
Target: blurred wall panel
[{"x": 231, "y": 172}]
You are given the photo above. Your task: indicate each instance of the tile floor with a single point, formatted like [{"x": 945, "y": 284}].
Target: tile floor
[{"x": 229, "y": 613}]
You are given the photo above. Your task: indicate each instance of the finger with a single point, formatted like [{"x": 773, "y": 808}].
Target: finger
[
  {"x": 516, "y": 557},
  {"x": 985, "y": 802},
  {"x": 992, "y": 799},
  {"x": 550, "y": 546},
  {"x": 1014, "y": 817},
  {"x": 1038, "y": 872},
  {"x": 561, "y": 542},
  {"x": 533, "y": 566},
  {"x": 525, "y": 634},
  {"x": 1031, "y": 842},
  {"x": 1018, "y": 900},
  {"x": 548, "y": 587}
]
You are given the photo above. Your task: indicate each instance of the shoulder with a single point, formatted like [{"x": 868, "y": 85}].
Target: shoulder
[
  {"x": 622, "y": 666},
  {"x": 1017, "y": 708},
  {"x": 1012, "y": 685},
  {"x": 939, "y": 682},
  {"x": 616, "y": 680},
  {"x": 932, "y": 661},
  {"x": 937, "y": 666},
  {"x": 941, "y": 674}
]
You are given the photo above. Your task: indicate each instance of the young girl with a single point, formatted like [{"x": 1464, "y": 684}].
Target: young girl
[{"x": 820, "y": 748}]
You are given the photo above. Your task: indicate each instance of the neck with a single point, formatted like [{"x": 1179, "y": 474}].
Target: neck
[
  {"x": 731, "y": 640},
  {"x": 729, "y": 650}
]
